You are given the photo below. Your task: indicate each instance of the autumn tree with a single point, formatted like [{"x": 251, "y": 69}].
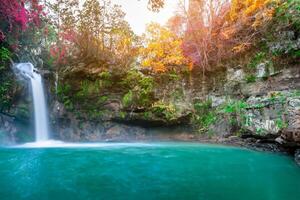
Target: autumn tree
[
  {"x": 217, "y": 30},
  {"x": 246, "y": 19},
  {"x": 162, "y": 51},
  {"x": 17, "y": 18},
  {"x": 205, "y": 20},
  {"x": 103, "y": 32},
  {"x": 155, "y": 5},
  {"x": 177, "y": 24}
]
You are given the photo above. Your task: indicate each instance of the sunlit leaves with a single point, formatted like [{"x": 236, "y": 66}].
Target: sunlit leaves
[
  {"x": 162, "y": 51},
  {"x": 155, "y": 5}
]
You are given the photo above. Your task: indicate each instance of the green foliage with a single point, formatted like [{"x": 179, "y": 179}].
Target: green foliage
[
  {"x": 128, "y": 99},
  {"x": 5, "y": 55},
  {"x": 95, "y": 114},
  {"x": 63, "y": 89},
  {"x": 105, "y": 75},
  {"x": 286, "y": 24},
  {"x": 204, "y": 115},
  {"x": 131, "y": 79},
  {"x": 122, "y": 115},
  {"x": 106, "y": 79},
  {"x": 140, "y": 88},
  {"x": 165, "y": 110},
  {"x": 6, "y": 80},
  {"x": 148, "y": 114},
  {"x": 178, "y": 94},
  {"x": 102, "y": 99},
  {"x": 289, "y": 13},
  {"x": 200, "y": 107},
  {"x": 89, "y": 88},
  {"x": 250, "y": 78},
  {"x": 296, "y": 93},
  {"x": 257, "y": 59},
  {"x": 63, "y": 93},
  {"x": 296, "y": 53},
  {"x": 280, "y": 123},
  {"x": 235, "y": 112},
  {"x": 235, "y": 107},
  {"x": 174, "y": 76},
  {"x": 5, "y": 99}
]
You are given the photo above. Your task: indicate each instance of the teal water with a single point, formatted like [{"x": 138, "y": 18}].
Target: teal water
[{"x": 147, "y": 171}]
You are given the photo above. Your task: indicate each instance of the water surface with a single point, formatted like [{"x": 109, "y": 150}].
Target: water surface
[{"x": 146, "y": 171}]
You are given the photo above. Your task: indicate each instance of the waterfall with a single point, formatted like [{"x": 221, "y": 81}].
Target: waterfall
[{"x": 28, "y": 71}]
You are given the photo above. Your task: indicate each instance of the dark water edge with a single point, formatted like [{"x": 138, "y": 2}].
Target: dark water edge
[{"x": 147, "y": 171}]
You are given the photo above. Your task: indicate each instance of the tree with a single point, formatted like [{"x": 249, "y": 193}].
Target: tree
[
  {"x": 162, "y": 51},
  {"x": 202, "y": 41},
  {"x": 95, "y": 32},
  {"x": 218, "y": 29},
  {"x": 155, "y": 5},
  {"x": 16, "y": 17}
]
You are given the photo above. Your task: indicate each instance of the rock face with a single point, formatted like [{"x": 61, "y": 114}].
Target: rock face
[
  {"x": 7, "y": 130},
  {"x": 265, "y": 115},
  {"x": 297, "y": 156},
  {"x": 291, "y": 134}
]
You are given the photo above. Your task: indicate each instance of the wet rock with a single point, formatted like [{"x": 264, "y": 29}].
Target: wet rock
[
  {"x": 291, "y": 134},
  {"x": 116, "y": 131},
  {"x": 222, "y": 128},
  {"x": 217, "y": 100},
  {"x": 297, "y": 156},
  {"x": 120, "y": 132}
]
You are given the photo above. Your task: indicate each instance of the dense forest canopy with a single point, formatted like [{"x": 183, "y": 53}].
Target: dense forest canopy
[{"x": 206, "y": 33}]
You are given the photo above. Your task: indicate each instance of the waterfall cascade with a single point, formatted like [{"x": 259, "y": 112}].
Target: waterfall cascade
[{"x": 28, "y": 71}]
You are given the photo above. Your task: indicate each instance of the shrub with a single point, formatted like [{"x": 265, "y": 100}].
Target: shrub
[
  {"x": 250, "y": 78},
  {"x": 204, "y": 115},
  {"x": 166, "y": 110},
  {"x": 127, "y": 99}
]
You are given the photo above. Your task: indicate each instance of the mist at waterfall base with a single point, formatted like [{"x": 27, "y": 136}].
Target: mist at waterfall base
[{"x": 48, "y": 169}]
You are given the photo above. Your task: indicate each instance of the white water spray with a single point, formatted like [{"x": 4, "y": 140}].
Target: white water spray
[{"x": 40, "y": 110}]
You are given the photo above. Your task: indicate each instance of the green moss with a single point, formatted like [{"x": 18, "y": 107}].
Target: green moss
[{"x": 127, "y": 99}]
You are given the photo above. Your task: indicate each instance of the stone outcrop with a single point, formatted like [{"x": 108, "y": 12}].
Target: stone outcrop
[{"x": 290, "y": 136}]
